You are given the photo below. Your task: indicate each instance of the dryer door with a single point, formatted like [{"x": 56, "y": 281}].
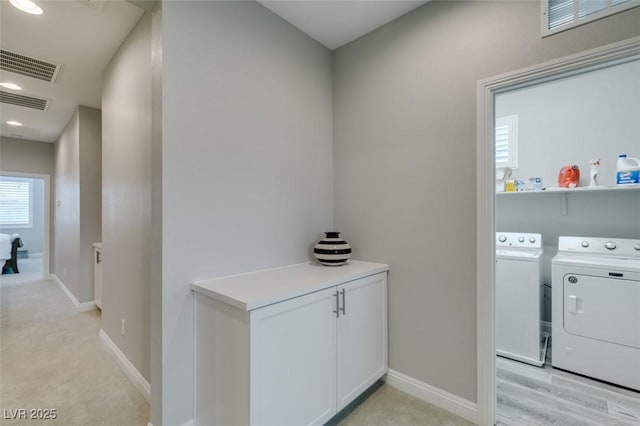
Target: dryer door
[{"x": 602, "y": 308}]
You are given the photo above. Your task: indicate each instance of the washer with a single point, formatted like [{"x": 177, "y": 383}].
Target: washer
[
  {"x": 596, "y": 308},
  {"x": 519, "y": 291}
]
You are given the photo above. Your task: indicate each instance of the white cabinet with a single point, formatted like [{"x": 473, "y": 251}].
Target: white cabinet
[
  {"x": 293, "y": 361},
  {"x": 362, "y": 336},
  {"x": 97, "y": 274},
  {"x": 270, "y": 360}
]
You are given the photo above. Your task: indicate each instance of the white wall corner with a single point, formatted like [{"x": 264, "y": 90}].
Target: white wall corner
[
  {"x": 447, "y": 401},
  {"x": 127, "y": 367},
  {"x": 80, "y": 307}
]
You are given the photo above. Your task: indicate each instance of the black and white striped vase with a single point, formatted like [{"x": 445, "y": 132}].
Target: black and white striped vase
[{"x": 332, "y": 250}]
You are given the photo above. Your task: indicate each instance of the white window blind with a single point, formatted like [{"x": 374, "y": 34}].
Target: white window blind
[
  {"x": 560, "y": 15},
  {"x": 506, "y": 139},
  {"x": 15, "y": 202}
]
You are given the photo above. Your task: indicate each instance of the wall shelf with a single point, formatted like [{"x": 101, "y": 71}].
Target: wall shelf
[
  {"x": 578, "y": 190},
  {"x": 564, "y": 206}
]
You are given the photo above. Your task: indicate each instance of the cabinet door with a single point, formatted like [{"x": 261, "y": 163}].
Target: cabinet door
[
  {"x": 97, "y": 277},
  {"x": 293, "y": 361},
  {"x": 362, "y": 336}
]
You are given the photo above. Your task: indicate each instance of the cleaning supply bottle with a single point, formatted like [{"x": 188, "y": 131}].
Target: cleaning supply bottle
[{"x": 628, "y": 170}]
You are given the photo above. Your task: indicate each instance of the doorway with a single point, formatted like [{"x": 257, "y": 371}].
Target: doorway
[
  {"x": 486, "y": 200},
  {"x": 26, "y": 208}
]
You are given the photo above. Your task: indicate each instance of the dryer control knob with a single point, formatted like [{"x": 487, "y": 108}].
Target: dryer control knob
[
  {"x": 521, "y": 239},
  {"x": 610, "y": 245},
  {"x": 502, "y": 238},
  {"x": 585, "y": 244},
  {"x": 637, "y": 247},
  {"x": 532, "y": 240}
]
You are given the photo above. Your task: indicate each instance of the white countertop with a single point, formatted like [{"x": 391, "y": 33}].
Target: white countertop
[
  {"x": 97, "y": 245},
  {"x": 261, "y": 288}
]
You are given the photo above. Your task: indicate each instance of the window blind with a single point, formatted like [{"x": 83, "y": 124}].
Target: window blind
[
  {"x": 570, "y": 12},
  {"x": 15, "y": 201},
  {"x": 502, "y": 143},
  {"x": 506, "y": 141}
]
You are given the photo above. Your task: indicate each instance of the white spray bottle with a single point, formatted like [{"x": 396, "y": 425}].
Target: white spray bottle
[{"x": 593, "y": 182}]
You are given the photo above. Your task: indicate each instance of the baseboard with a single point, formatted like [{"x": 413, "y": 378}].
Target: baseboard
[
  {"x": 447, "y": 401},
  {"x": 129, "y": 370},
  {"x": 80, "y": 307}
]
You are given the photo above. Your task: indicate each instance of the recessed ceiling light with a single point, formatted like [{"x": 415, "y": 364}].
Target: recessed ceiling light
[
  {"x": 27, "y": 6},
  {"x": 11, "y": 86},
  {"x": 14, "y": 123}
]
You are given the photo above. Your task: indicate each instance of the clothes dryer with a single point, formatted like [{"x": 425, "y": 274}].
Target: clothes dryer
[{"x": 596, "y": 308}]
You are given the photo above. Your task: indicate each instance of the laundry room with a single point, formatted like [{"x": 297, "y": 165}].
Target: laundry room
[
  {"x": 568, "y": 196},
  {"x": 590, "y": 117}
]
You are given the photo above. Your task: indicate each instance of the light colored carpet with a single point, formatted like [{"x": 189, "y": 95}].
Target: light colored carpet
[
  {"x": 51, "y": 358},
  {"x": 30, "y": 270},
  {"x": 388, "y": 406}
]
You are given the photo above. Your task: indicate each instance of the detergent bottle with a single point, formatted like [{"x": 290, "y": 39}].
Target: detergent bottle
[{"x": 628, "y": 170}]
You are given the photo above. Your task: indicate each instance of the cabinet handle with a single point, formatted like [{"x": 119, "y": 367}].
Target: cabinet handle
[
  {"x": 344, "y": 302},
  {"x": 98, "y": 260},
  {"x": 337, "y": 311}
]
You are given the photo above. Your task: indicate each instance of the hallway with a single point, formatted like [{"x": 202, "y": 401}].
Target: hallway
[{"x": 52, "y": 358}]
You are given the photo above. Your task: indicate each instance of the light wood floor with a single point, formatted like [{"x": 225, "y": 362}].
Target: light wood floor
[{"x": 530, "y": 396}]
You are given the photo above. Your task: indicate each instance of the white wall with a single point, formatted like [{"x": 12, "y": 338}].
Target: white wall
[
  {"x": 576, "y": 119},
  {"x": 405, "y": 162},
  {"x": 247, "y": 160},
  {"x": 77, "y": 205},
  {"x": 126, "y": 196}
]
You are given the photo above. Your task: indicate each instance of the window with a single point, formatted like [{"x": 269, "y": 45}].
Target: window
[
  {"x": 560, "y": 15},
  {"x": 507, "y": 141},
  {"x": 16, "y": 195}
]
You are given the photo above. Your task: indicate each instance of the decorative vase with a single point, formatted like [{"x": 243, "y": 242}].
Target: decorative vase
[{"x": 332, "y": 250}]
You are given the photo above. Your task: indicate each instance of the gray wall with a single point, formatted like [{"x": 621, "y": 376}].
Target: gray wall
[
  {"x": 77, "y": 205},
  {"x": 247, "y": 160},
  {"x": 576, "y": 119},
  {"x": 66, "y": 215},
  {"x": 90, "y": 136},
  {"x": 405, "y": 162},
  {"x": 26, "y": 156},
  {"x": 126, "y": 195}
]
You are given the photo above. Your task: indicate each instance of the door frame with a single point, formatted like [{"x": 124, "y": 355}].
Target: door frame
[
  {"x": 47, "y": 215},
  {"x": 589, "y": 60}
]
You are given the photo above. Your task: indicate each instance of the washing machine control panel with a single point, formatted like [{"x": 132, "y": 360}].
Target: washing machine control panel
[
  {"x": 622, "y": 247},
  {"x": 518, "y": 240}
]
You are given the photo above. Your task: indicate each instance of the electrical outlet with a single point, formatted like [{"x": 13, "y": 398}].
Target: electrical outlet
[{"x": 122, "y": 328}]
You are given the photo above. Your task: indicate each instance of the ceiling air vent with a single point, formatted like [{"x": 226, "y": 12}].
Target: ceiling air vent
[
  {"x": 31, "y": 67},
  {"x": 23, "y": 101}
]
